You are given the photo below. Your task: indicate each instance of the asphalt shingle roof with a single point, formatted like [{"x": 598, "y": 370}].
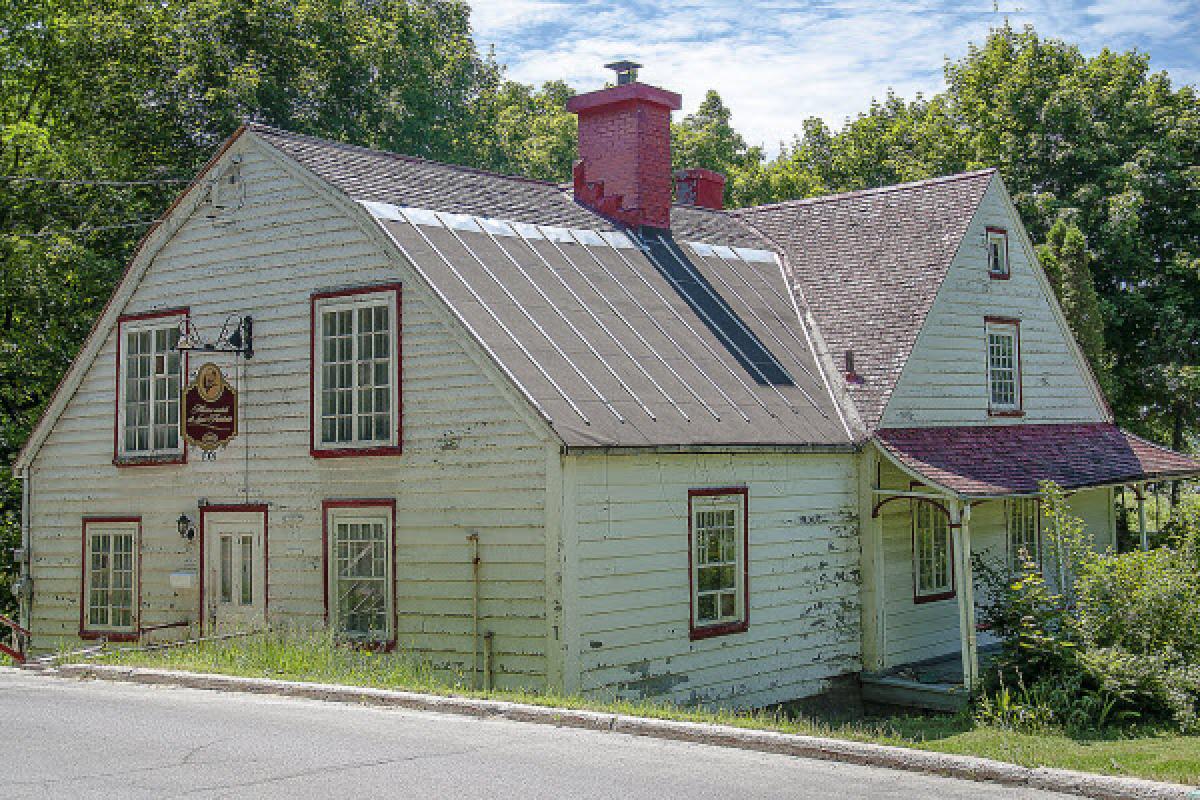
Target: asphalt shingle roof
[
  {"x": 869, "y": 265},
  {"x": 1013, "y": 459}
]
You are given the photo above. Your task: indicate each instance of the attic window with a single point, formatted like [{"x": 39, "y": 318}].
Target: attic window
[
  {"x": 1003, "y": 366},
  {"x": 227, "y": 193},
  {"x": 997, "y": 250}
]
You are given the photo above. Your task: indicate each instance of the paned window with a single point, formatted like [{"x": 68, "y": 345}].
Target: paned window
[
  {"x": 1024, "y": 533},
  {"x": 718, "y": 525},
  {"x": 356, "y": 403},
  {"x": 997, "y": 248},
  {"x": 110, "y": 576},
  {"x": 151, "y": 375},
  {"x": 933, "y": 573},
  {"x": 360, "y": 571},
  {"x": 1003, "y": 366}
]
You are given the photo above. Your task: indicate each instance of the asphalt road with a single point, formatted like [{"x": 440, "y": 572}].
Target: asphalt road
[{"x": 69, "y": 739}]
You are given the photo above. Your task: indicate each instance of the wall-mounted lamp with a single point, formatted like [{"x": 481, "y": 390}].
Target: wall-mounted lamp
[{"x": 186, "y": 529}]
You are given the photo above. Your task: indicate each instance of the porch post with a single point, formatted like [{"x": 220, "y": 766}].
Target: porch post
[
  {"x": 960, "y": 521},
  {"x": 1140, "y": 491}
]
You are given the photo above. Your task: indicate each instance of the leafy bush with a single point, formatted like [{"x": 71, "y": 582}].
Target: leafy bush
[{"x": 1100, "y": 638}]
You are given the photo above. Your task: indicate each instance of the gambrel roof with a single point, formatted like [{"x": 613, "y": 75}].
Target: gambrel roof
[{"x": 870, "y": 264}]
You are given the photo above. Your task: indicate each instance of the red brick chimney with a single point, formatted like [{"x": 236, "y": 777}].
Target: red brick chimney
[
  {"x": 700, "y": 187},
  {"x": 624, "y": 166}
]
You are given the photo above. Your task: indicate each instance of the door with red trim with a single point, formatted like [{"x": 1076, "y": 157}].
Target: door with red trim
[{"x": 235, "y": 567}]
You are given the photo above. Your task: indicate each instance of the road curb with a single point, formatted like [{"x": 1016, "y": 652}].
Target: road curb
[{"x": 1102, "y": 787}]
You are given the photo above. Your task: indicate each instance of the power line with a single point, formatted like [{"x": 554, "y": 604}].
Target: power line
[
  {"x": 67, "y": 182},
  {"x": 43, "y": 234}
]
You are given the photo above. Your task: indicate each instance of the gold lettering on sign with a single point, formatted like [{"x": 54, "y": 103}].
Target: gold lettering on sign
[{"x": 209, "y": 409}]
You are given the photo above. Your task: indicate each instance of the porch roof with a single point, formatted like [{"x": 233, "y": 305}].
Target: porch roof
[{"x": 984, "y": 460}]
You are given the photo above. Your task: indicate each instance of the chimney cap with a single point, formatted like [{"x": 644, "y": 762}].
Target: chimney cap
[{"x": 626, "y": 71}]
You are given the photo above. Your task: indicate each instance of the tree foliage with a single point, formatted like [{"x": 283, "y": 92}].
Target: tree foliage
[{"x": 1101, "y": 144}]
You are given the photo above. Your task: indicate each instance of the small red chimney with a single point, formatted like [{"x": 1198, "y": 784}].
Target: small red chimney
[
  {"x": 700, "y": 187},
  {"x": 624, "y": 166}
]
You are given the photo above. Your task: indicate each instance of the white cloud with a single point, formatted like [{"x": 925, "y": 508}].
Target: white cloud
[{"x": 776, "y": 63}]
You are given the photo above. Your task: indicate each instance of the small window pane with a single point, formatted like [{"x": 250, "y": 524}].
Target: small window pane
[
  {"x": 226, "y": 569},
  {"x": 931, "y": 555},
  {"x": 247, "y": 588}
]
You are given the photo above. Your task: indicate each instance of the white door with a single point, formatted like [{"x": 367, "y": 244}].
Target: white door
[{"x": 235, "y": 567}]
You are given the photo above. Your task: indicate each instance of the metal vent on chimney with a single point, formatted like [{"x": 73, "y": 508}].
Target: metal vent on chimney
[{"x": 627, "y": 71}]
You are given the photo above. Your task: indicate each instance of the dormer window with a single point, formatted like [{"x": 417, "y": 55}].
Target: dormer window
[{"x": 997, "y": 250}]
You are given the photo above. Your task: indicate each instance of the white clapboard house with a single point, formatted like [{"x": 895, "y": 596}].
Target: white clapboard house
[{"x": 583, "y": 438}]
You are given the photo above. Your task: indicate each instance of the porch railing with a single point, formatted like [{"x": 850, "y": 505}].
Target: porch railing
[{"x": 19, "y": 637}]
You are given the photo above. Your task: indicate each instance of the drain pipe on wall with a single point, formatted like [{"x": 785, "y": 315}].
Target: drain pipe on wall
[
  {"x": 473, "y": 538},
  {"x": 487, "y": 661},
  {"x": 25, "y": 593}
]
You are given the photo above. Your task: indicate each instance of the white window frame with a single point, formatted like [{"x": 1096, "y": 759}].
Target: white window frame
[
  {"x": 353, "y": 302},
  {"x": 1012, "y": 330},
  {"x": 151, "y": 325},
  {"x": 999, "y": 265},
  {"x": 368, "y": 514},
  {"x": 930, "y": 521},
  {"x": 93, "y": 529},
  {"x": 1023, "y": 524},
  {"x": 701, "y": 502}
]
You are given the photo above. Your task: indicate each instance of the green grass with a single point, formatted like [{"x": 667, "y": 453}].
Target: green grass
[{"x": 317, "y": 658}]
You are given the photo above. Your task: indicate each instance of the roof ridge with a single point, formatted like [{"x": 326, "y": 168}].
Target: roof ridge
[
  {"x": 258, "y": 126},
  {"x": 895, "y": 187}
]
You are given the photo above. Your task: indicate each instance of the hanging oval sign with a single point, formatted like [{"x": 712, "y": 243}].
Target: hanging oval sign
[{"x": 209, "y": 413}]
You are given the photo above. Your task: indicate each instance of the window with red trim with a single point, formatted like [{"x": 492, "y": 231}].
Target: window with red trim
[
  {"x": 109, "y": 592},
  {"x": 719, "y": 561},
  {"x": 1003, "y": 366},
  {"x": 997, "y": 250},
  {"x": 360, "y": 543},
  {"x": 150, "y": 375},
  {"x": 356, "y": 372}
]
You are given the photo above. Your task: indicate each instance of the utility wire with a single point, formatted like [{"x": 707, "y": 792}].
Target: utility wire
[
  {"x": 43, "y": 234},
  {"x": 68, "y": 182}
]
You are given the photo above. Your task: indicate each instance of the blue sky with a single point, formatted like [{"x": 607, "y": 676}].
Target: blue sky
[{"x": 776, "y": 63}]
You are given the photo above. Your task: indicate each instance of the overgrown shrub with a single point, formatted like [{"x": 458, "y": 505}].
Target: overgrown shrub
[{"x": 1098, "y": 638}]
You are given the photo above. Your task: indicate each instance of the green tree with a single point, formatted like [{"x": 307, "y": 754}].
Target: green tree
[
  {"x": 1067, "y": 262},
  {"x": 1102, "y": 142},
  {"x": 532, "y": 133},
  {"x": 132, "y": 89}
]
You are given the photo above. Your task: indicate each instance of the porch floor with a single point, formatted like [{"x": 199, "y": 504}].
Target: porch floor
[{"x": 935, "y": 684}]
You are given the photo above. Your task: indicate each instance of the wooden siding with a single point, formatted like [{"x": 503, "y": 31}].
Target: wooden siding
[
  {"x": 474, "y": 461},
  {"x": 945, "y": 379},
  {"x": 628, "y": 631},
  {"x": 915, "y": 632}
]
